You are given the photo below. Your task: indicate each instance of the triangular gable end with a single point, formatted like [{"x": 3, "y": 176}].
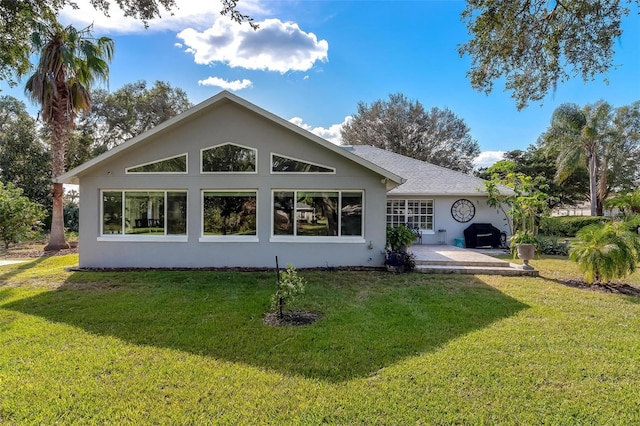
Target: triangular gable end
[{"x": 72, "y": 176}]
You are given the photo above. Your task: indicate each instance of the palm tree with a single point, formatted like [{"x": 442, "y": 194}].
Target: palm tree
[
  {"x": 70, "y": 61},
  {"x": 578, "y": 135},
  {"x": 605, "y": 252}
]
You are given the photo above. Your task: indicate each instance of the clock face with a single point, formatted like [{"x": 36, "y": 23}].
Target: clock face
[{"x": 463, "y": 210}]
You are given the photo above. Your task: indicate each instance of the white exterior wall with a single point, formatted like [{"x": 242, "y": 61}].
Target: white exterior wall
[
  {"x": 228, "y": 122},
  {"x": 443, "y": 220}
]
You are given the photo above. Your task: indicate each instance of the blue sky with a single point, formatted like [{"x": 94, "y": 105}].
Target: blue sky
[{"x": 311, "y": 62}]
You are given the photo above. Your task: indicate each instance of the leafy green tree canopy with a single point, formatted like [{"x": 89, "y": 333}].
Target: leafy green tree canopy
[
  {"x": 537, "y": 161},
  {"x": 24, "y": 159},
  {"x": 522, "y": 199},
  {"x": 405, "y": 127},
  {"x": 19, "y": 216},
  {"x": 131, "y": 110},
  {"x": 598, "y": 138},
  {"x": 17, "y": 18},
  {"x": 534, "y": 44}
]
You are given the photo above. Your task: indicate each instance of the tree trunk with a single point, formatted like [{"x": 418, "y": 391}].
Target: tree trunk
[
  {"x": 56, "y": 238},
  {"x": 602, "y": 187},
  {"x": 593, "y": 188},
  {"x": 59, "y": 133}
]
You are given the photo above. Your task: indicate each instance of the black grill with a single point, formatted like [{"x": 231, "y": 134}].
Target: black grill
[{"x": 481, "y": 235}]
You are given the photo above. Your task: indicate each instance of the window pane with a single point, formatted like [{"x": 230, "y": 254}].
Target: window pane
[
  {"x": 229, "y": 213},
  {"x": 112, "y": 212},
  {"x": 420, "y": 214},
  {"x": 144, "y": 213},
  {"x": 229, "y": 158},
  {"x": 176, "y": 213},
  {"x": 396, "y": 213},
  {"x": 351, "y": 213},
  {"x": 283, "y": 213},
  {"x": 413, "y": 213},
  {"x": 317, "y": 213},
  {"x": 170, "y": 165},
  {"x": 284, "y": 164}
]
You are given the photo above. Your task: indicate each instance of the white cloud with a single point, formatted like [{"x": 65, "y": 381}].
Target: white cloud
[
  {"x": 332, "y": 134},
  {"x": 276, "y": 46},
  {"x": 226, "y": 85},
  {"x": 188, "y": 13},
  {"x": 488, "y": 158}
]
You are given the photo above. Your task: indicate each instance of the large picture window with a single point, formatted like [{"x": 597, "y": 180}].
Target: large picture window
[
  {"x": 318, "y": 213},
  {"x": 413, "y": 213},
  {"x": 229, "y": 158},
  {"x": 227, "y": 213},
  {"x": 147, "y": 213}
]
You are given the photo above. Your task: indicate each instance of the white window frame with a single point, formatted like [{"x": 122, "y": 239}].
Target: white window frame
[
  {"x": 406, "y": 214},
  {"x": 255, "y": 150},
  {"x": 166, "y": 238},
  {"x": 288, "y": 157},
  {"x": 227, "y": 238},
  {"x": 128, "y": 171},
  {"x": 351, "y": 239}
]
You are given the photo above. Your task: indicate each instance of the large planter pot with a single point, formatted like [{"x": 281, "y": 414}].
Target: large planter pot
[
  {"x": 395, "y": 268},
  {"x": 526, "y": 252}
]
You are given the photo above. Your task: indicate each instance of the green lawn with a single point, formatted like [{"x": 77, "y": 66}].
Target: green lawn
[{"x": 191, "y": 348}]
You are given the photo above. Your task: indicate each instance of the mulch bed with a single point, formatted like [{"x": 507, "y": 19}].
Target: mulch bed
[
  {"x": 35, "y": 253},
  {"x": 615, "y": 288},
  {"x": 296, "y": 318}
]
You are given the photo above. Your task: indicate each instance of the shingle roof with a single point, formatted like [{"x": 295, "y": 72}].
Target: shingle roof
[{"x": 422, "y": 177}]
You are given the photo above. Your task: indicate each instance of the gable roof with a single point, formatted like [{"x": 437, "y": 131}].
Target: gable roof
[
  {"x": 422, "y": 178},
  {"x": 73, "y": 175}
]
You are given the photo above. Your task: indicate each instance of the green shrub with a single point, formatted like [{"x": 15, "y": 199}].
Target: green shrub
[
  {"x": 71, "y": 217},
  {"x": 633, "y": 222},
  {"x": 605, "y": 252},
  {"x": 551, "y": 245},
  {"x": 19, "y": 216},
  {"x": 568, "y": 226}
]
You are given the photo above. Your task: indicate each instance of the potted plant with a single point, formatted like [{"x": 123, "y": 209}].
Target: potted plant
[
  {"x": 524, "y": 244},
  {"x": 527, "y": 202},
  {"x": 398, "y": 240}
]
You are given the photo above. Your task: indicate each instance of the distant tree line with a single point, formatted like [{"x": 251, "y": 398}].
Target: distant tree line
[
  {"x": 588, "y": 153},
  {"x": 25, "y": 149},
  {"x": 405, "y": 127}
]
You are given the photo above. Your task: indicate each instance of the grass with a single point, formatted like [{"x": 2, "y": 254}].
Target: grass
[{"x": 191, "y": 348}]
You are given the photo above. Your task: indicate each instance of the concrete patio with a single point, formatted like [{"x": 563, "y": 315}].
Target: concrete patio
[{"x": 445, "y": 259}]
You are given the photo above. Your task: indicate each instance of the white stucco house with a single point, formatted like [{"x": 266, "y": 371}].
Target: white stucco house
[
  {"x": 438, "y": 201},
  {"x": 229, "y": 184}
]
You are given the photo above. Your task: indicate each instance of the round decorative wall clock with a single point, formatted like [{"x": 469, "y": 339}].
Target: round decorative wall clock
[{"x": 463, "y": 210}]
